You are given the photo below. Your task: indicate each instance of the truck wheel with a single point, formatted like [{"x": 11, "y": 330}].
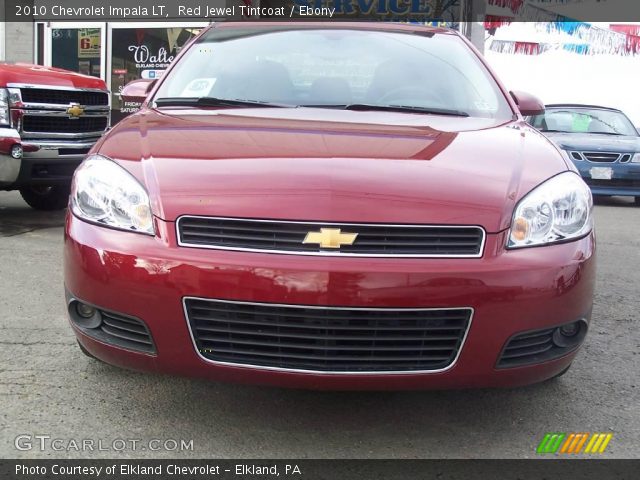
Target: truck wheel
[{"x": 46, "y": 197}]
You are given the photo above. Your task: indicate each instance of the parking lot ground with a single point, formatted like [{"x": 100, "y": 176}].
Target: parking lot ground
[{"x": 48, "y": 387}]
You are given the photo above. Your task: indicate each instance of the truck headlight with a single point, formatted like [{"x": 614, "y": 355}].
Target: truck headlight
[
  {"x": 105, "y": 193},
  {"x": 558, "y": 210},
  {"x": 636, "y": 158},
  {"x": 5, "y": 116}
]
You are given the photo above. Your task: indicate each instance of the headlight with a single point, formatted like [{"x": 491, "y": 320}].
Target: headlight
[
  {"x": 636, "y": 158},
  {"x": 5, "y": 118},
  {"x": 558, "y": 210},
  {"x": 105, "y": 193}
]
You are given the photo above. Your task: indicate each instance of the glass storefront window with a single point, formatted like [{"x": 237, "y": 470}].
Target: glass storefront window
[
  {"x": 77, "y": 49},
  {"x": 142, "y": 53}
]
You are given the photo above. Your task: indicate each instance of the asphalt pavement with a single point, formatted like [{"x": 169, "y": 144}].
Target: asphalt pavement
[{"x": 48, "y": 388}]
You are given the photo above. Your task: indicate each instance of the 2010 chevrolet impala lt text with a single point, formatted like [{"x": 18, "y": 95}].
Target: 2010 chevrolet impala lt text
[{"x": 331, "y": 206}]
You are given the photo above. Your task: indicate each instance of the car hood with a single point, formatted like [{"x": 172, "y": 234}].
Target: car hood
[
  {"x": 25, "y": 73},
  {"x": 593, "y": 142},
  {"x": 332, "y": 165}
]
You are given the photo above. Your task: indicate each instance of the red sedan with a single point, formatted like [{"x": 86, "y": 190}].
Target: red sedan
[{"x": 332, "y": 206}]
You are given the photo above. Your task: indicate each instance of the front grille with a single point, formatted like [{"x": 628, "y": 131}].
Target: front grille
[
  {"x": 599, "y": 157},
  {"x": 372, "y": 239},
  {"x": 64, "y": 97},
  {"x": 614, "y": 183},
  {"x": 327, "y": 339},
  {"x": 53, "y": 124},
  {"x": 127, "y": 332}
]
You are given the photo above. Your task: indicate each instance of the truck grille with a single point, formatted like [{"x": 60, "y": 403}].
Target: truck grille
[
  {"x": 372, "y": 239},
  {"x": 54, "y": 124},
  {"x": 327, "y": 339},
  {"x": 64, "y": 97}
]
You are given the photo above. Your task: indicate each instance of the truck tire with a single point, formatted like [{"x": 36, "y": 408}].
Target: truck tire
[{"x": 46, "y": 197}]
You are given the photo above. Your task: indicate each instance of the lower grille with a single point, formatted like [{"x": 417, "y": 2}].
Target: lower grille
[
  {"x": 371, "y": 240},
  {"x": 53, "y": 124},
  {"x": 127, "y": 332},
  {"x": 527, "y": 348},
  {"x": 327, "y": 339},
  {"x": 614, "y": 182}
]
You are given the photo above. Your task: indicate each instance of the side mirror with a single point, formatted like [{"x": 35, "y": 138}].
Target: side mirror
[
  {"x": 137, "y": 90},
  {"x": 528, "y": 104}
]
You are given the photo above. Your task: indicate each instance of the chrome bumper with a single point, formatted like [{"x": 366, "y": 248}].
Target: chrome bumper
[{"x": 45, "y": 151}]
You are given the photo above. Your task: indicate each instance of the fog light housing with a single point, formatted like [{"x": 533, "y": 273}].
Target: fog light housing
[
  {"x": 570, "y": 334},
  {"x": 570, "y": 330},
  {"x": 537, "y": 346},
  {"x": 84, "y": 315},
  {"x": 84, "y": 310}
]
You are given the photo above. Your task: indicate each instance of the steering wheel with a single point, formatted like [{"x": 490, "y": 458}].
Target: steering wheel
[{"x": 411, "y": 94}]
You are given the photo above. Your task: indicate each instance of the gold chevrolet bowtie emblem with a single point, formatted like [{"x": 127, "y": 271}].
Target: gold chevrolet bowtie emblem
[
  {"x": 330, "y": 238},
  {"x": 75, "y": 111}
]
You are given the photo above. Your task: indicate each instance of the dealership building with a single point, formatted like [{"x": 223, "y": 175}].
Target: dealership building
[{"x": 117, "y": 52}]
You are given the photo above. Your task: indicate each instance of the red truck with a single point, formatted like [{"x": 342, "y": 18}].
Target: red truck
[{"x": 49, "y": 119}]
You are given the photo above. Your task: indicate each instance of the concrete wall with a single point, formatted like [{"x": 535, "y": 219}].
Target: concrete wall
[{"x": 18, "y": 41}]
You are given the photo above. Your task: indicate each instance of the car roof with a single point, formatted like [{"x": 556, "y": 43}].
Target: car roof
[
  {"x": 578, "y": 105},
  {"x": 376, "y": 26}
]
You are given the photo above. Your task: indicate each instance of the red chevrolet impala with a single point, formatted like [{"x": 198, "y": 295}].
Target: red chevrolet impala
[{"x": 332, "y": 206}]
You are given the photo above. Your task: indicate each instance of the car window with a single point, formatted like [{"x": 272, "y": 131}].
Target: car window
[
  {"x": 338, "y": 67},
  {"x": 584, "y": 120}
]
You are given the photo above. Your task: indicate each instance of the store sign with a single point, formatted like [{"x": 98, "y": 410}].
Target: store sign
[
  {"x": 141, "y": 52},
  {"x": 145, "y": 58},
  {"x": 151, "y": 74},
  {"x": 89, "y": 43}
]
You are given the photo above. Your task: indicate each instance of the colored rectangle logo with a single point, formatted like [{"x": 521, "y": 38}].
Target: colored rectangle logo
[{"x": 574, "y": 443}]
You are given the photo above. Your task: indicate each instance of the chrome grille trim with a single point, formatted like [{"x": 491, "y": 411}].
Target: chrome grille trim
[
  {"x": 21, "y": 110},
  {"x": 599, "y": 157},
  {"x": 470, "y": 310},
  {"x": 325, "y": 253}
]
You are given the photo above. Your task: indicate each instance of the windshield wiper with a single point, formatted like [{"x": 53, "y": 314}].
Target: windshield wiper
[
  {"x": 394, "y": 108},
  {"x": 216, "y": 102}
]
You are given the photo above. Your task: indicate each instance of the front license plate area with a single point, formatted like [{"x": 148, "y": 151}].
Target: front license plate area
[{"x": 601, "y": 173}]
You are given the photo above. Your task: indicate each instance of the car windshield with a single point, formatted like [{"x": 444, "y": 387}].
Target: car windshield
[
  {"x": 584, "y": 120},
  {"x": 433, "y": 73}
]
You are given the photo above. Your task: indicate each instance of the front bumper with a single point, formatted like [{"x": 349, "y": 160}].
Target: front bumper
[
  {"x": 625, "y": 180},
  {"x": 148, "y": 278},
  {"x": 44, "y": 162}
]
